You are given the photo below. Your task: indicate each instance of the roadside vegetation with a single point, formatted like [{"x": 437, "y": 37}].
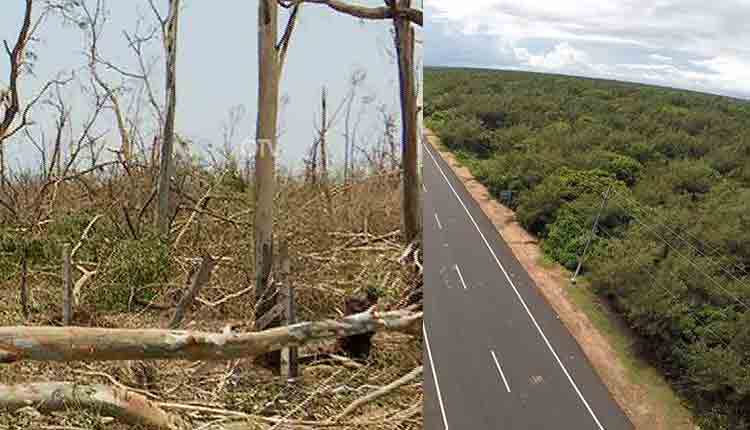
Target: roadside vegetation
[{"x": 670, "y": 170}]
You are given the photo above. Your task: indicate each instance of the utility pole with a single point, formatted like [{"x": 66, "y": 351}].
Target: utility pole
[{"x": 591, "y": 236}]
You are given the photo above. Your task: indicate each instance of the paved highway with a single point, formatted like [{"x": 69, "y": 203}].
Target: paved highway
[{"x": 496, "y": 355}]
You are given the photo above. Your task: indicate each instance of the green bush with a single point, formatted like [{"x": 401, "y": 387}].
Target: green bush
[
  {"x": 465, "y": 134},
  {"x": 135, "y": 268},
  {"x": 566, "y": 239}
]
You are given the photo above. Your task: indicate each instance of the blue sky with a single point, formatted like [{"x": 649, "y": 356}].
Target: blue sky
[
  {"x": 217, "y": 70},
  {"x": 692, "y": 44}
]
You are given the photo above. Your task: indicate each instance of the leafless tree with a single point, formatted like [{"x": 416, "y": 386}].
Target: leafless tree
[
  {"x": 272, "y": 52},
  {"x": 355, "y": 81},
  {"x": 10, "y": 98},
  {"x": 94, "y": 21},
  {"x": 169, "y": 27},
  {"x": 412, "y": 213},
  {"x": 403, "y": 15}
]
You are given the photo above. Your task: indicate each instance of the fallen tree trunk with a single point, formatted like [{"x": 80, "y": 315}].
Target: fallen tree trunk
[
  {"x": 102, "y": 344},
  {"x": 110, "y": 401}
]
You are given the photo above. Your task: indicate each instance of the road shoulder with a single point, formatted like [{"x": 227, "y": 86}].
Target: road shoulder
[{"x": 606, "y": 342}]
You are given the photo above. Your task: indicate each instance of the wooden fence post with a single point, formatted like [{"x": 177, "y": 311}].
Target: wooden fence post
[
  {"x": 289, "y": 366},
  {"x": 24, "y": 289},
  {"x": 67, "y": 286}
]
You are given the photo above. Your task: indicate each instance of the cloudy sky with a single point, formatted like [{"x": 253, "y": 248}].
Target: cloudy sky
[
  {"x": 693, "y": 44},
  {"x": 217, "y": 70}
]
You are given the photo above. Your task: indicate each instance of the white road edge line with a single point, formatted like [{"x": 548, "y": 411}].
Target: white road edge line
[
  {"x": 440, "y": 226},
  {"x": 458, "y": 270},
  {"x": 434, "y": 376},
  {"x": 499, "y": 369},
  {"x": 518, "y": 295}
]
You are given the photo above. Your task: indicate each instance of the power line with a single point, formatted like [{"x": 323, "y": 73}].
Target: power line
[
  {"x": 655, "y": 281},
  {"x": 637, "y": 219},
  {"x": 592, "y": 235},
  {"x": 645, "y": 209},
  {"x": 677, "y": 235}
]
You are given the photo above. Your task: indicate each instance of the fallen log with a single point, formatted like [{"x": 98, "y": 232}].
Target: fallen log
[
  {"x": 64, "y": 344},
  {"x": 109, "y": 401}
]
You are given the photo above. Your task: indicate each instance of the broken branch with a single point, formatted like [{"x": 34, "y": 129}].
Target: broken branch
[{"x": 59, "y": 396}]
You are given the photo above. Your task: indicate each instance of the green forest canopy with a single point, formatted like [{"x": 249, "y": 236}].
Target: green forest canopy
[{"x": 673, "y": 252}]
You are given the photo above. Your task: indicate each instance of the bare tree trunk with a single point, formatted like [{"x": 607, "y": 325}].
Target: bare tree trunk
[
  {"x": 24, "y": 290},
  {"x": 265, "y": 155},
  {"x": 67, "y": 286},
  {"x": 389, "y": 126},
  {"x": 347, "y": 135},
  {"x": 10, "y": 100},
  {"x": 129, "y": 407},
  {"x": 170, "y": 36},
  {"x": 65, "y": 344},
  {"x": 271, "y": 56},
  {"x": 323, "y": 132},
  {"x": 312, "y": 164},
  {"x": 2, "y": 166},
  {"x": 412, "y": 214}
]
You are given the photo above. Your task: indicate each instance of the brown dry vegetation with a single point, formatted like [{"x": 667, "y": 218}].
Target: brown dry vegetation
[{"x": 337, "y": 249}]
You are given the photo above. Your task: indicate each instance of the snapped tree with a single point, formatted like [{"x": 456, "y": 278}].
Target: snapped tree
[
  {"x": 166, "y": 166},
  {"x": 271, "y": 55}
]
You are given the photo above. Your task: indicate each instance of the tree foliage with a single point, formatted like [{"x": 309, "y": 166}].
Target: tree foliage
[{"x": 673, "y": 250}]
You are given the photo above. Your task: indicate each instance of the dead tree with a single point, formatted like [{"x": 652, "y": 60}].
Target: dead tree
[
  {"x": 318, "y": 151},
  {"x": 166, "y": 167},
  {"x": 389, "y": 127},
  {"x": 323, "y": 133},
  {"x": 403, "y": 15},
  {"x": 311, "y": 163},
  {"x": 129, "y": 407},
  {"x": 66, "y": 344},
  {"x": 9, "y": 99},
  {"x": 356, "y": 79},
  {"x": 412, "y": 213},
  {"x": 272, "y": 52},
  {"x": 94, "y": 20}
]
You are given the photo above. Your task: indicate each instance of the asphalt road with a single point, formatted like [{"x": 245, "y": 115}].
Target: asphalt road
[{"x": 496, "y": 354}]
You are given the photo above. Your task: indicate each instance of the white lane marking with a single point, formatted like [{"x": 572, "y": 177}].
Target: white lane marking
[
  {"x": 440, "y": 226},
  {"x": 434, "y": 376},
  {"x": 460, "y": 276},
  {"x": 518, "y": 295},
  {"x": 499, "y": 369}
]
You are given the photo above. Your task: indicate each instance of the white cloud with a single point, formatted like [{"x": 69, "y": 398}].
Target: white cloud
[
  {"x": 661, "y": 58},
  {"x": 562, "y": 56},
  {"x": 700, "y": 45}
]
